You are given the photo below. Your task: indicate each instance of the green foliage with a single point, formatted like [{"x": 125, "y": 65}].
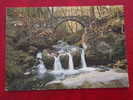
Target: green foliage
[
  {"x": 39, "y": 84},
  {"x": 10, "y": 11},
  {"x": 13, "y": 68},
  {"x": 30, "y": 83},
  {"x": 119, "y": 50},
  {"x": 73, "y": 38},
  {"x": 17, "y": 62},
  {"x": 23, "y": 42}
]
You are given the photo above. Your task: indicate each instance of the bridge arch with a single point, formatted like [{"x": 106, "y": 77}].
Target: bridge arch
[
  {"x": 60, "y": 20},
  {"x": 66, "y": 20},
  {"x": 80, "y": 26}
]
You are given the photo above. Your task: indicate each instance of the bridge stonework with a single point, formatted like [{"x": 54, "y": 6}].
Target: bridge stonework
[{"x": 85, "y": 21}]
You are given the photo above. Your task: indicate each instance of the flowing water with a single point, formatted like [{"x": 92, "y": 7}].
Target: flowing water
[
  {"x": 83, "y": 61},
  {"x": 58, "y": 70},
  {"x": 84, "y": 45},
  {"x": 57, "y": 64},
  {"x": 71, "y": 65},
  {"x": 39, "y": 55},
  {"x": 41, "y": 67}
]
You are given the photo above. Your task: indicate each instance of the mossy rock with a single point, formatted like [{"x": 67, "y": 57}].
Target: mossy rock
[
  {"x": 56, "y": 86},
  {"x": 64, "y": 61},
  {"x": 77, "y": 60},
  {"x": 48, "y": 61},
  {"x": 73, "y": 38}
]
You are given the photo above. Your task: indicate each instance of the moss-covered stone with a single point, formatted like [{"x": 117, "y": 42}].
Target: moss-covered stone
[{"x": 64, "y": 61}]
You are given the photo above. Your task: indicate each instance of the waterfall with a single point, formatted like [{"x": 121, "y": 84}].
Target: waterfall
[
  {"x": 57, "y": 64},
  {"x": 41, "y": 67},
  {"x": 83, "y": 61},
  {"x": 84, "y": 45},
  {"x": 71, "y": 65},
  {"x": 39, "y": 55}
]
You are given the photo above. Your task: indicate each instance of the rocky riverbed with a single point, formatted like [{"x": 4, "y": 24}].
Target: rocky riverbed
[{"x": 93, "y": 79}]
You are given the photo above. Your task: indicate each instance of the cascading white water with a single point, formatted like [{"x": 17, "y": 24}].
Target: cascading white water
[
  {"x": 71, "y": 69},
  {"x": 41, "y": 67},
  {"x": 83, "y": 61},
  {"x": 84, "y": 45},
  {"x": 39, "y": 55},
  {"x": 58, "y": 70},
  {"x": 57, "y": 64},
  {"x": 71, "y": 65}
]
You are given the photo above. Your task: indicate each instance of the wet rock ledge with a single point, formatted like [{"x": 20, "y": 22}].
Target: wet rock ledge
[{"x": 94, "y": 79}]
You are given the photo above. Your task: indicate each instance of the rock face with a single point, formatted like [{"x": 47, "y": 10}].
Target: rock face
[{"x": 94, "y": 79}]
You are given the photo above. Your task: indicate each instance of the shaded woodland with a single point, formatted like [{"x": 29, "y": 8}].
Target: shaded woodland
[{"x": 28, "y": 31}]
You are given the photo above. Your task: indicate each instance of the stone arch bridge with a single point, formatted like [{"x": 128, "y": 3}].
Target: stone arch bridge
[
  {"x": 83, "y": 20},
  {"x": 86, "y": 21},
  {"x": 53, "y": 22}
]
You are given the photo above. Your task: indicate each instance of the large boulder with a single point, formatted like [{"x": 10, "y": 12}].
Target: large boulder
[
  {"x": 64, "y": 61},
  {"x": 55, "y": 85},
  {"x": 121, "y": 64},
  {"x": 48, "y": 59},
  {"x": 102, "y": 50},
  {"x": 77, "y": 59}
]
